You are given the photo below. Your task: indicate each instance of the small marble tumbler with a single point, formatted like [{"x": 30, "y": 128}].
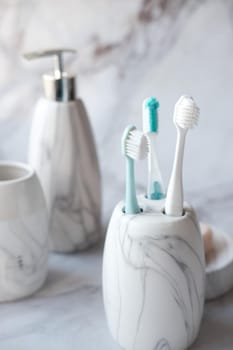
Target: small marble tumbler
[
  {"x": 153, "y": 278},
  {"x": 23, "y": 232}
]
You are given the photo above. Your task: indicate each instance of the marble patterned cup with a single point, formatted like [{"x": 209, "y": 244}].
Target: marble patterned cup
[
  {"x": 153, "y": 278},
  {"x": 23, "y": 232}
]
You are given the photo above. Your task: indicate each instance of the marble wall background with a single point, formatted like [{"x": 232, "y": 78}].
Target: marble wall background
[{"x": 128, "y": 50}]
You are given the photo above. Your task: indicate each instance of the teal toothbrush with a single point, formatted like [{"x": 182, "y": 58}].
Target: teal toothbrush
[
  {"x": 155, "y": 187},
  {"x": 134, "y": 146}
]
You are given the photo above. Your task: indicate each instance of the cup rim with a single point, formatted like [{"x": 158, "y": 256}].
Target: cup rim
[{"x": 20, "y": 165}]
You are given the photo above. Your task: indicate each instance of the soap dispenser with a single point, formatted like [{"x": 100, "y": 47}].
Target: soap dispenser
[{"x": 63, "y": 152}]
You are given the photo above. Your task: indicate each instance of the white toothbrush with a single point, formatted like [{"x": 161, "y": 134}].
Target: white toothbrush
[
  {"x": 186, "y": 114},
  {"x": 134, "y": 146},
  {"x": 155, "y": 187}
]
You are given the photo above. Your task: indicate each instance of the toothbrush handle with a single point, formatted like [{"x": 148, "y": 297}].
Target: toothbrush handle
[
  {"x": 154, "y": 173},
  {"x": 131, "y": 204},
  {"x": 175, "y": 197}
]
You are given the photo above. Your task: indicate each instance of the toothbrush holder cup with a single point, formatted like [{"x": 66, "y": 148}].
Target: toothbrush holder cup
[
  {"x": 153, "y": 278},
  {"x": 23, "y": 232}
]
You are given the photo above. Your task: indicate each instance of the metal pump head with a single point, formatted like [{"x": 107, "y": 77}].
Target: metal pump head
[{"x": 58, "y": 86}]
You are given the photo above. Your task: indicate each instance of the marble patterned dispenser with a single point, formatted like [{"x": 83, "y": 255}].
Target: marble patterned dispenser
[
  {"x": 62, "y": 150},
  {"x": 153, "y": 278},
  {"x": 24, "y": 232}
]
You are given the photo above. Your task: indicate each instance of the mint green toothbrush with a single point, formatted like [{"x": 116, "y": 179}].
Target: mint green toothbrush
[
  {"x": 155, "y": 187},
  {"x": 134, "y": 146}
]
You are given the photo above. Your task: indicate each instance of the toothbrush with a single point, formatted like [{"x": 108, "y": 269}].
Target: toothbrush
[
  {"x": 186, "y": 114},
  {"x": 155, "y": 187},
  {"x": 134, "y": 146}
]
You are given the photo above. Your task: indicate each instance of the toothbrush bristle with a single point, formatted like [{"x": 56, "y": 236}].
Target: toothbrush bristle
[
  {"x": 136, "y": 145},
  {"x": 150, "y": 118},
  {"x": 186, "y": 113}
]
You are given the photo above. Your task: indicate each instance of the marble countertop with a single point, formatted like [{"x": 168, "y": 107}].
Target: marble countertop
[{"x": 68, "y": 312}]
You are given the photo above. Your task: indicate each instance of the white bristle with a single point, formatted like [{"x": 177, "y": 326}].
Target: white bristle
[
  {"x": 186, "y": 112},
  {"x": 136, "y": 145}
]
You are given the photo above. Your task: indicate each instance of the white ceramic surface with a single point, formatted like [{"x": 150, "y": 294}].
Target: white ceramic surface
[
  {"x": 23, "y": 232},
  {"x": 153, "y": 278},
  {"x": 63, "y": 153},
  {"x": 219, "y": 266}
]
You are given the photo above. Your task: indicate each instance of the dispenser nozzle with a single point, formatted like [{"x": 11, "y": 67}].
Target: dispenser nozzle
[
  {"x": 58, "y": 58},
  {"x": 63, "y": 86}
]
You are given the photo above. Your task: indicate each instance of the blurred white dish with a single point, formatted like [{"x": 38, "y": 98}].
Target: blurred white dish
[{"x": 219, "y": 264}]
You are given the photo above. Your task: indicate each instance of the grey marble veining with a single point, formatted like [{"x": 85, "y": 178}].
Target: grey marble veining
[
  {"x": 153, "y": 273},
  {"x": 153, "y": 48},
  {"x": 69, "y": 312},
  {"x": 162, "y": 48},
  {"x": 62, "y": 152},
  {"x": 23, "y": 255}
]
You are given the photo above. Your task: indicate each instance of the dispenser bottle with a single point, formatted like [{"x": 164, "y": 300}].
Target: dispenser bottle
[{"x": 63, "y": 152}]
